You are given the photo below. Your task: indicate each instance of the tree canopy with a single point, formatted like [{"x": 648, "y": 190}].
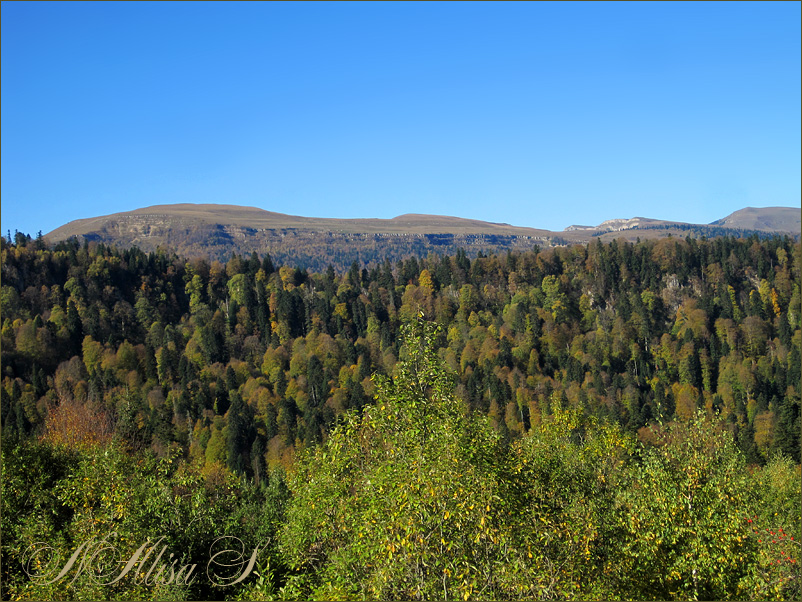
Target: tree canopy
[{"x": 520, "y": 447}]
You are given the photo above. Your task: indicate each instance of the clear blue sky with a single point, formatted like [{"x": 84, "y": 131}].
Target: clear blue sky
[{"x": 535, "y": 114}]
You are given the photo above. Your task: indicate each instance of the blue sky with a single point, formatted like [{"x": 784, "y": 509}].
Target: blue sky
[{"x": 535, "y": 114}]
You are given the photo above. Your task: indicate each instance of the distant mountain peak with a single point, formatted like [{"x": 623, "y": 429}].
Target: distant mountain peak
[{"x": 766, "y": 219}]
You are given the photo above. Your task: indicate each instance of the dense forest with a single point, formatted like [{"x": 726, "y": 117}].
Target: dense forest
[{"x": 610, "y": 420}]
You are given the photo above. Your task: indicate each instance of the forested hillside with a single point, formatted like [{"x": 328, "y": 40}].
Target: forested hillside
[{"x": 230, "y": 374}]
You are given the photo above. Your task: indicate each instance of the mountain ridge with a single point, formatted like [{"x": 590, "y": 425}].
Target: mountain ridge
[{"x": 218, "y": 230}]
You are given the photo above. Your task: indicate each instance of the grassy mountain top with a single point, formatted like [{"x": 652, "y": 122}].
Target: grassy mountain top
[
  {"x": 782, "y": 219},
  {"x": 187, "y": 214}
]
